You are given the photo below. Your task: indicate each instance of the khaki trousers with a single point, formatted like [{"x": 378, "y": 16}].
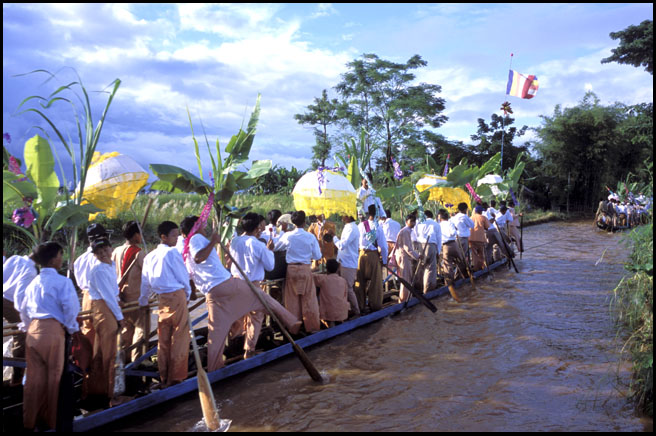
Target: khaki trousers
[
  {"x": 100, "y": 380},
  {"x": 18, "y": 343},
  {"x": 228, "y": 302},
  {"x": 45, "y": 347},
  {"x": 249, "y": 325},
  {"x": 450, "y": 260},
  {"x": 477, "y": 250},
  {"x": 173, "y": 336},
  {"x": 300, "y": 296},
  {"x": 87, "y": 325},
  {"x": 430, "y": 268},
  {"x": 369, "y": 281},
  {"x": 350, "y": 274}
]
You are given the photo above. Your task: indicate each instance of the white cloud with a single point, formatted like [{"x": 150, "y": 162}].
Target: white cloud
[
  {"x": 228, "y": 20},
  {"x": 324, "y": 10}
]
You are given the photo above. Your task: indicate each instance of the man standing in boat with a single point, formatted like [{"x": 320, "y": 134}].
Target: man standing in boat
[
  {"x": 404, "y": 255},
  {"x": 164, "y": 273},
  {"x": 369, "y": 284},
  {"x": 228, "y": 298},
  {"x": 348, "y": 258}
]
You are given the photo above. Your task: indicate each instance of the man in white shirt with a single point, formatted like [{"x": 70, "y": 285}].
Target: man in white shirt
[
  {"x": 514, "y": 226},
  {"x": 49, "y": 306},
  {"x": 369, "y": 282},
  {"x": 347, "y": 256},
  {"x": 164, "y": 273},
  {"x": 228, "y": 298},
  {"x": 81, "y": 269},
  {"x": 451, "y": 257},
  {"x": 107, "y": 320},
  {"x": 365, "y": 197},
  {"x": 429, "y": 236},
  {"x": 254, "y": 258},
  {"x": 390, "y": 228},
  {"x": 464, "y": 224},
  {"x": 300, "y": 295},
  {"x": 17, "y": 273}
]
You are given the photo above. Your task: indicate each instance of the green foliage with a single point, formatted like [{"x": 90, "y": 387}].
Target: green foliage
[
  {"x": 636, "y": 46},
  {"x": 278, "y": 180},
  {"x": 634, "y": 300},
  {"x": 355, "y": 157},
  {"x": 323, "y": 114},
  {"x": 41, "y": 170}
]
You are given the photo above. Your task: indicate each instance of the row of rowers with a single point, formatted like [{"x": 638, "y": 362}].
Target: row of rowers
[{"x": 48, "y": 305}]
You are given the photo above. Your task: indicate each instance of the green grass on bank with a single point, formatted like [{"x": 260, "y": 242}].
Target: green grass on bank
[{"x": 633, "y": 302}]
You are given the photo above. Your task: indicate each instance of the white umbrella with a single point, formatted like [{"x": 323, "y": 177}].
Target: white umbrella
[{"x": 490, "y": 179}]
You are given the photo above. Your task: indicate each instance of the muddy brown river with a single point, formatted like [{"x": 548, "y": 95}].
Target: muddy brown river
[{"x": 534, "y": 351}]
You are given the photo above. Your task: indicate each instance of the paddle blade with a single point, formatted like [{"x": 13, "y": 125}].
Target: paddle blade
[{"x": 210, "y": 412}]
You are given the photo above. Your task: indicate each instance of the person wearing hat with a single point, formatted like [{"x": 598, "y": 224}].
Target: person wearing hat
[
  {"x": 81, "y": 269},
  {"x": 107, "y": 321},
  {"x": 477, "y": 238}
]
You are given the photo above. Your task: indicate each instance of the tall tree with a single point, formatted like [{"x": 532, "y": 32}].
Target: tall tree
[
  {"x": 489, "y": 137},
  {"x": 379, "y": 96},
  {"x": 636, "y": 46},
  {"x": 321, "y": 115}
]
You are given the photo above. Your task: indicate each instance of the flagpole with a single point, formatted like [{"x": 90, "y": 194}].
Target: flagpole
[{"x": 503, "y": 120}]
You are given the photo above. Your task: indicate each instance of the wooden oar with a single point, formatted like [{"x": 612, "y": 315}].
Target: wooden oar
[
  {"x": 119, "y": 368},
  {"x": 464, "y": 259},
  {"x": 503, "y": 241},
  {"x": 521, "y": 235},
  {"x": 207, "y": 404},
  {"x": 305, "y": 360},
  {"x": 414, "y": 292}
]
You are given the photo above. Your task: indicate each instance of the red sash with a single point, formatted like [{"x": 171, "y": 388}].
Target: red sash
[{"x": 130, "y": 254}]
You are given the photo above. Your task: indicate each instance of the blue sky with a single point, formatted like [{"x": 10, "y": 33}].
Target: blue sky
[{"x": 216, "y": 58}]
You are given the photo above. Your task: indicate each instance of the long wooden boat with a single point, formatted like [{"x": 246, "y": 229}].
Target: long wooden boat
[{"x": 107, "y": 416}]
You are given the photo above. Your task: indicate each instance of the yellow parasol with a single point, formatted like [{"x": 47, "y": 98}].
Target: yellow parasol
[
  {"x": 113, "y": 182},
  {"x": 325, "y": 192},
  {"x": 443, "y": 194}
]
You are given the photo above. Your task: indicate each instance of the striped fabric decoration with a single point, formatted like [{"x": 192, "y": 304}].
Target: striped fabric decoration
[{"x": 521, "y": 86}]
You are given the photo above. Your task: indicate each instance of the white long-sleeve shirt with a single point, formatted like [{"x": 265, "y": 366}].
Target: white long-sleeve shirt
[
  {"x": 391, "y": 229},
  {"x": 17, "y": 273},
  {"x": 301, "y": 246},
  {"x": 449, "y": 231},
  {"x": 365, "y": 244},
  {"x": 163, "y": 272},
  {"x": 50, "y": 295},
  {"x": 210, "y": 272},
  {"x": 503, "y": 218},
  {"x": 82, "y": 267},
  {"x": 348, "y": 245},
  {"x": 103, "y": 286},
  {"x": 252, "y": 256},
  {"x": 463, "y": 223}
]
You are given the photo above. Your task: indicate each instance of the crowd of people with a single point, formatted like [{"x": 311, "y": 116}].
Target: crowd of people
[
  {"x": 328, "y": 279},
  {"x": 614, "y": 213}
]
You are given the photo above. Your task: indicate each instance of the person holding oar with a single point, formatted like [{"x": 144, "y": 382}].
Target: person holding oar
[
  {"x": 228, "y": 298},
  {"x": 128, "y": 261},
  {"x": 405, "y": 254},
  {"x": 477, "y": 238},
  {"x": 429, "y": 236},
  {"x": 49, "y": 309},
  {"x": 164, "y": 273},
  {"x": 464, "y": 224},
  {"x": 451, "y": 257}
]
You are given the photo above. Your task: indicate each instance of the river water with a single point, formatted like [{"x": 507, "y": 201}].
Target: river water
[{"x": 534, "y": 351}]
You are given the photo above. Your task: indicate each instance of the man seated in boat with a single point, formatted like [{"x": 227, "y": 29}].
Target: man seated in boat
[
  {"x": 300, "y": 295},
  {"x": 254, "y": 258},
  {"x": 164, "y": 273},
  {"x": 228, "y": 298},
  {"x": 107, "y": 321},
  {"x": 333, "y": 294}
]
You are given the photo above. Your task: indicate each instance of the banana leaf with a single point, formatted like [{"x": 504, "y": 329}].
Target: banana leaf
[
  {"x": 175, "y": 179},
  {"x": 14, "y": 191},
  {"x": 40, "y": 165},
  {"x": 70, "y": 215}
]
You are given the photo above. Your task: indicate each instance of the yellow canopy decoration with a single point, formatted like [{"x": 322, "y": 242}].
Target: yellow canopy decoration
[
  {"x": 325, "y": 192},
  {"x": 113, "y": 182},
  {"x": 442, "y": 194}
]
